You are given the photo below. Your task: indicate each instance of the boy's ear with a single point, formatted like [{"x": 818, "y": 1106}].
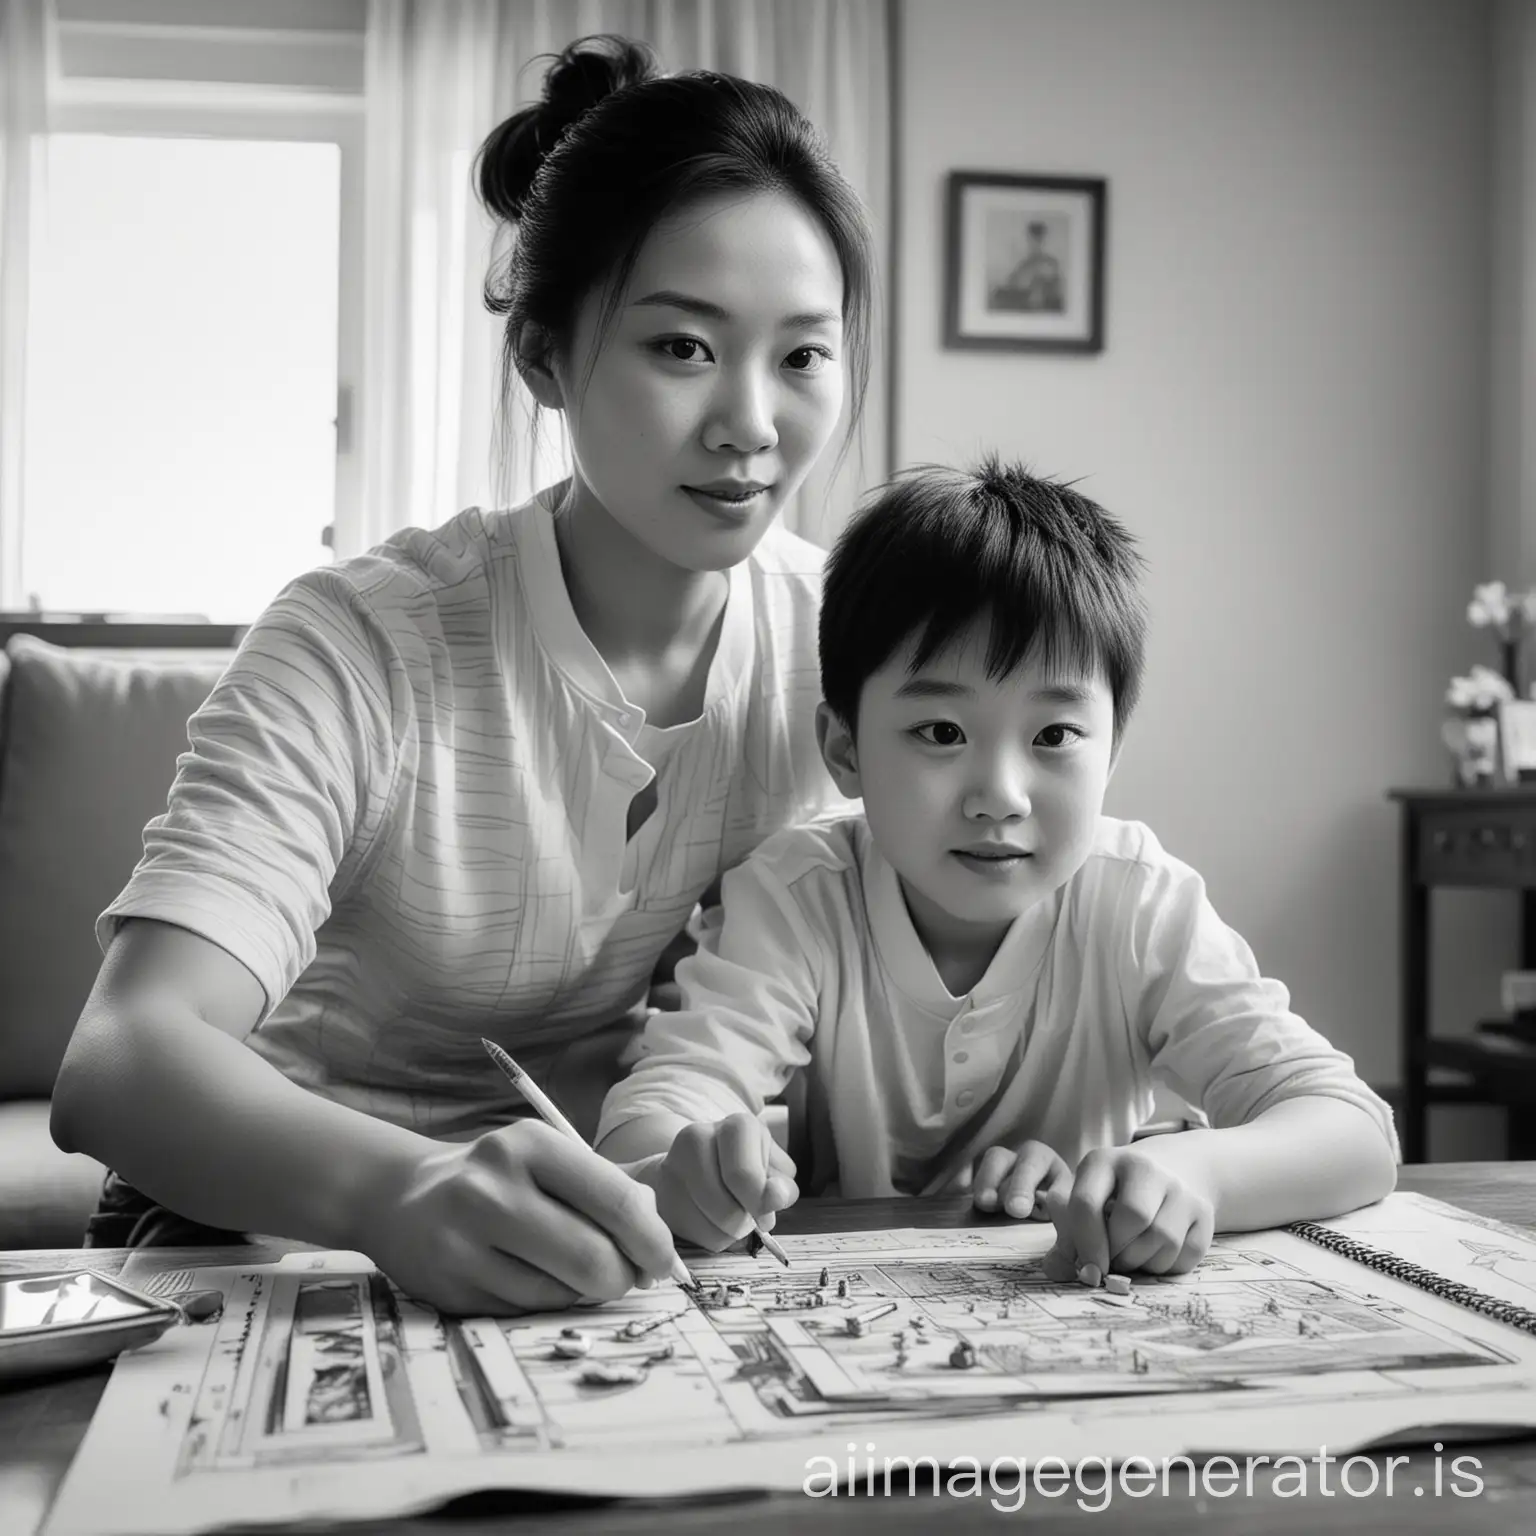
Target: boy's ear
[
  {"x": 534, "y": 358},
  {"x": 838, "y": 751}
]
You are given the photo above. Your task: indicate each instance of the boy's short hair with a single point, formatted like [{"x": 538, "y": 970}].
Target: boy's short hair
[{"x": 939, "y": 548}]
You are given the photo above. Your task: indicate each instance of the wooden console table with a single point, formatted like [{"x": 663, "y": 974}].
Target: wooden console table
[{"x": 1483, "y": 839}]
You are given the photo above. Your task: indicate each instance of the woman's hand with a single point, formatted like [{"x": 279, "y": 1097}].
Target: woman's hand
[
  {"x": 521, "y": 1219},
  {"x": 1125, "y": 1212},
  {"x": 1009, "y": 1179},
  {"x": 718, "y": 1178}
]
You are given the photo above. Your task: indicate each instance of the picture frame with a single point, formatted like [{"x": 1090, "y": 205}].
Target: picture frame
[{"x": 1024, "y": 265}]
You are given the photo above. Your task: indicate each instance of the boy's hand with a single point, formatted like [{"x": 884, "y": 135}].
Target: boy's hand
[
  {"x": 1126, "y": 1212},
  {"x": 718, "y": 1178},
  {"x": 521, "y": 1219},
  {"x": 1008, "y": 1178}
]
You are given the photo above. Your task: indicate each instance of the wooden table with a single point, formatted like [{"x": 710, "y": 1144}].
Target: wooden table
[
  {"x": 41, "y": 1426},
  {"x": 1479, "y": 839}
]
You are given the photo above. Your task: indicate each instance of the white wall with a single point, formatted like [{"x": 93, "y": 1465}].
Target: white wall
[
  {"x": 1291, "y": 411},
  {"x": 1513, "y": 452}
]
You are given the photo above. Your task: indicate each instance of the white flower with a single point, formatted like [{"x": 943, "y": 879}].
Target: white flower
[
  {"x": 1489, "y": 605},
  {"x": 1481, "y": 690}
]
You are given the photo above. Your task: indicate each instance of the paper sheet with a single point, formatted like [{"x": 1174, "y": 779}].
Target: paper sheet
[{"x": 320, "y": 1392}]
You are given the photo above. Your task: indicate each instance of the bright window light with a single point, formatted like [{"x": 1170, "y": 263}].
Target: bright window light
[{"x": 180, "y": 440}]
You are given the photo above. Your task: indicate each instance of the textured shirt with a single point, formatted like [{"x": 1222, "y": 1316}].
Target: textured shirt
[
  {"x": 404, "y": 810},
  {"x": 815, "y": 979}
]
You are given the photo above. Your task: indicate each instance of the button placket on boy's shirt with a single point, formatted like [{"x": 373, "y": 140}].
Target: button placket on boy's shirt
[
  {"x": 941, "y": 1093},
  {"x": 977, "y": 1044}
]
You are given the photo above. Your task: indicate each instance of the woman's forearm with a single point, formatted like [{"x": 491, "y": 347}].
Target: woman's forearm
[
  {"x": 1303, "y": 1159},
  {"x": 199, "y": 1122}
]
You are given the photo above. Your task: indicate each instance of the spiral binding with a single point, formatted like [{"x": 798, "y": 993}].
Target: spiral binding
[{"x": 1416, "y": 1275}]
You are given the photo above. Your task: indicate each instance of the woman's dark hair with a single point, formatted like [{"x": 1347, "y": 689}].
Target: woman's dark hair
[
  {"x": 611, "y": 149},
  {"x": 935, "y": 550}
]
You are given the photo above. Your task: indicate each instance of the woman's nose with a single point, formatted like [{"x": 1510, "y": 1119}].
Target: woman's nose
[{"x": 741, "y": 420}]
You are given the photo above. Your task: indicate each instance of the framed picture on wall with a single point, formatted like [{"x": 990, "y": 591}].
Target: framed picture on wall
[{"x": 1024, "y": 267}]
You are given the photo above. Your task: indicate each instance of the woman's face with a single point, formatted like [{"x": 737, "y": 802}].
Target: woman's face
[{"x": 701, "y": 407}]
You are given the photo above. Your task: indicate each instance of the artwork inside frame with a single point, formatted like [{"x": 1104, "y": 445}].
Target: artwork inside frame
[{"x": 1025, "y": 262}]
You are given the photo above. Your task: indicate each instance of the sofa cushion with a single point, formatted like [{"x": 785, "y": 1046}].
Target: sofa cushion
[
  {"x": 90, "y": 748},
  {"x": 46, "y": 1196}
]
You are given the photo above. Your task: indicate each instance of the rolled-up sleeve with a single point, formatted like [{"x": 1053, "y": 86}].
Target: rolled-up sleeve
[
  {"x": 749, "y": 1007},
  {"x": 1217, "y": 1031}
]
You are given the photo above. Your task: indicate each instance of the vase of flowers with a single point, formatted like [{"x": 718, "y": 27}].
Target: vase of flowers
[
  {"x": 1509, "y": 615},
  {"x": 1471, "y": 728}
]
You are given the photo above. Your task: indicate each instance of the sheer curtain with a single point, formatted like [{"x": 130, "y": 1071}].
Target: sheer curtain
[
  {"x": 23, "y": 123},
  {"x": 440, "y": 75}
]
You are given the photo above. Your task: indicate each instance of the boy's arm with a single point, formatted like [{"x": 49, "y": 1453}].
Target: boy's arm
[
  {"x": 749, "y": 1006},
  {"x": 1295, "y": 1133},
  {"x": 1303, "y": 1158}
]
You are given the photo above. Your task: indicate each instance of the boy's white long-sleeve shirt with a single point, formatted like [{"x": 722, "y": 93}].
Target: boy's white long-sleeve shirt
[{"x": 1125, "y": 976}]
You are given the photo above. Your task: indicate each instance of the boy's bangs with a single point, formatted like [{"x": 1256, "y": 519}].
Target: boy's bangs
[{"x": 1066, "y": 626}]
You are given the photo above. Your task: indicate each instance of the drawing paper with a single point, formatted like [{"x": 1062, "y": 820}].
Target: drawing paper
[{"x": 321, "y": 1392}]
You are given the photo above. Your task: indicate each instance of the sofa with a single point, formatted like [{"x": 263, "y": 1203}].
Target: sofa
[{"x": 89, "y": 736}]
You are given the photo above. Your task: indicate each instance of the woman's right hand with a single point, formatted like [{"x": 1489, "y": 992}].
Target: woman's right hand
[
  {"x": 521, "y": 1219},
  {"x": 719, "y": 1177}
]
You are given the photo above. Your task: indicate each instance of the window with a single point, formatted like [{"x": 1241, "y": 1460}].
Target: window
[
  {"x": 194, "y": 308},
  {"x": 182, "y": 379}
]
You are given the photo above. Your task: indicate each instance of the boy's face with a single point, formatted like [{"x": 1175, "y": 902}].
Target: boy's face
[{"x": 984, "y": 795}]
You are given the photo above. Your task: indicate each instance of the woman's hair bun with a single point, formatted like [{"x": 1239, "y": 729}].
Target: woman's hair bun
[{"x": 581, "y": 75}]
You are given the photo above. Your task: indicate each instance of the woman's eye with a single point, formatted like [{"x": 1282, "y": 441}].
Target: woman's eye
[
  {"x": 939, "y": 733},
  {"x": 808, "y": 359},
  {"x": 685, "y": 349},
  {"x": 1059, "y": 735}
]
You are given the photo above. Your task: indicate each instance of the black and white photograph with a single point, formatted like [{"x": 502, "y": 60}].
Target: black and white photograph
[
  {"x": 767, "y": 766},
  {"x": 1025, "y": 262}
]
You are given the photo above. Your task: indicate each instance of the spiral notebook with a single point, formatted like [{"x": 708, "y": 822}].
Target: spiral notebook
[{"x": 1461, "y": 1243}]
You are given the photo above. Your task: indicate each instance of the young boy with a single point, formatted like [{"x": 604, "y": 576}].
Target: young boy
[{"x": 976, "y": 982}]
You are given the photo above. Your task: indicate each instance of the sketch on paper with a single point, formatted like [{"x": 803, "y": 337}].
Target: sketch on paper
[
  {"x": 1488, "y": 1254},
  {"x": 310, "y": 1371},
  {"x": 302, "y": 1368},
  {"x": 793, "y": 1349}
]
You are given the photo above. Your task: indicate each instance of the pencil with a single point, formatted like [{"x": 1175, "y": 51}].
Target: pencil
[
  {"x": 551, "y": 1116},
  {"x": 757, "y": 1240}
]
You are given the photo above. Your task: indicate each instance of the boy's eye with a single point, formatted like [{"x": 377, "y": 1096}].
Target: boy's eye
[
  {"x": 939, "y": 733},
  {"x": 808, "y": 359},
  {"x": 684, "y": 349},
  {"x": 1059, "y": 735}
]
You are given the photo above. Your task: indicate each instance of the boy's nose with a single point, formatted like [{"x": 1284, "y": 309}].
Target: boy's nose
[{"x": 1001, "y": 794}]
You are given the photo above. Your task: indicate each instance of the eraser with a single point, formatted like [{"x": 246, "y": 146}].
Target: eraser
[{"x": 1120, "y": 1285}]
